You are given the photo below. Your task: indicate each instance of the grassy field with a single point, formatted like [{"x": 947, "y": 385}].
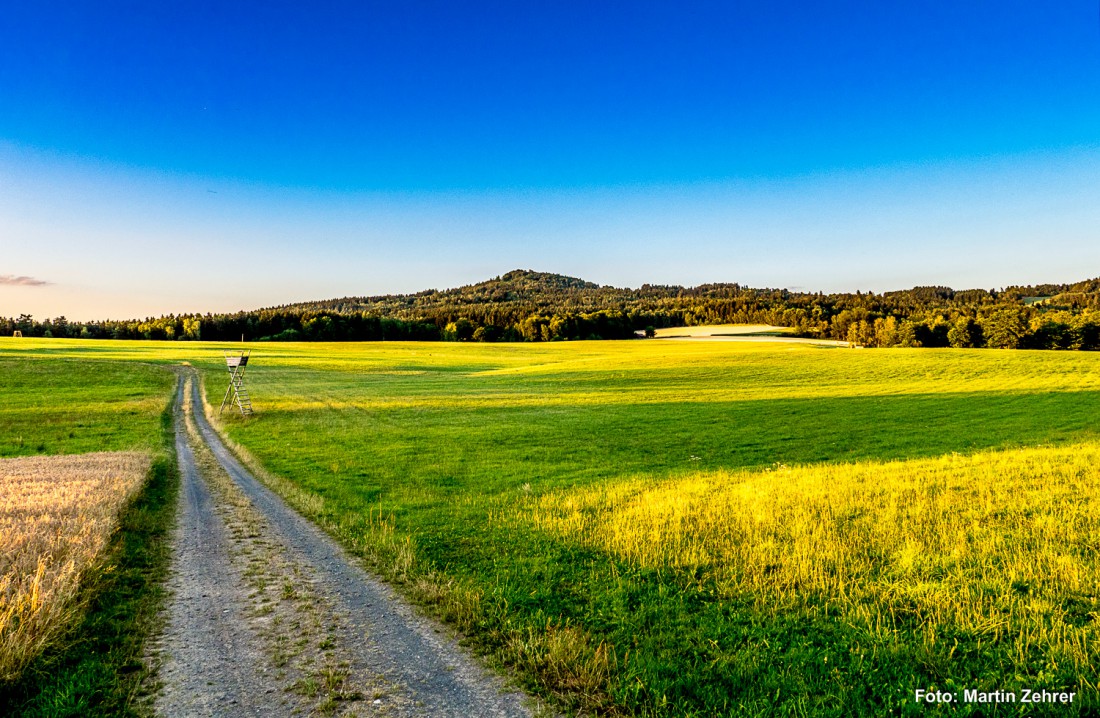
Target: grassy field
[
  {"x": 82, "y": 536},
  {"x": 70, "y": 405},
  {"x": 706, "y": 528},
  {"x": 701, "y": 529},
  {"x": 976, "y": 571}
]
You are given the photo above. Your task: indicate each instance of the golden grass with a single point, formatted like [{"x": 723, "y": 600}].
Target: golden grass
[
  {"x": 57, "y": 514},
  {"x": 1002, "y": 544}
]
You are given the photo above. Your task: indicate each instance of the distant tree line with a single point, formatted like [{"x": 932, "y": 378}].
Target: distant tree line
[
  {"x": 262, "y": 325},
  {"x": 532, "y": 306}
]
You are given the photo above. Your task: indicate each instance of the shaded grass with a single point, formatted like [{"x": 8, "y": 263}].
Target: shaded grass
[{"x": 97, "y": 667}]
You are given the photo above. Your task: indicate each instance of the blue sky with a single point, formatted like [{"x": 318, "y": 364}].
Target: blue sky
[{"x": 160, "y": 157}]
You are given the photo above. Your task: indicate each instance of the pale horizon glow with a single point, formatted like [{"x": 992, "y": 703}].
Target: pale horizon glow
[{"x": 113, "y": 242}]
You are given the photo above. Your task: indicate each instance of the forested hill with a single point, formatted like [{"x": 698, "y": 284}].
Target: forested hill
[
  {"x": 535, "y": 306},
  {"x": 535, "y": 290},
  {"x": 526, "y": 291},
  {"x": 516, "y": 295}
]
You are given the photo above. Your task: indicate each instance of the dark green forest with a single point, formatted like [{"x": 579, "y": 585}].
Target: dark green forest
[{"x": 535, "y": 306}]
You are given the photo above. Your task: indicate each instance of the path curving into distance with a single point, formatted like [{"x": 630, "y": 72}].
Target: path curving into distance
[{"x": 269, "y": 616}]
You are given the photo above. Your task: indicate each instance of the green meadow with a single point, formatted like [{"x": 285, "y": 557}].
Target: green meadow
[
  {"x": 71, "y": 405},
  {"x": 668, "y": 527}
]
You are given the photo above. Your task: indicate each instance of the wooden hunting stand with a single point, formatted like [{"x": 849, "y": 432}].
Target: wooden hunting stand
[{"x": 236, "y": 365}]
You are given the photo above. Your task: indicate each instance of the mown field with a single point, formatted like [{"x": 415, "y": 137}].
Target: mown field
[
  {"x": 693, "y": 528},
  {"x": 58, "y": 402}
]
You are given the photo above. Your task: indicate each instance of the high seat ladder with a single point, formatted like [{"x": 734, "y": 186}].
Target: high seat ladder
[{"x": 235, "y": 364}]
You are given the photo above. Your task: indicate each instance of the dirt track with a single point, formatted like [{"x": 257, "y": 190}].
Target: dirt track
[{"x": 270, "y": 617}]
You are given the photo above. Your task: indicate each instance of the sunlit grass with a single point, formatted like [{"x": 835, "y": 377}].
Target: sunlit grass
[{"x": 997, "y": 546}]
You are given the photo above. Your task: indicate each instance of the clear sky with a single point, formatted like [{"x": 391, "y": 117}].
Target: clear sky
[{"x": 166, "y": 157}]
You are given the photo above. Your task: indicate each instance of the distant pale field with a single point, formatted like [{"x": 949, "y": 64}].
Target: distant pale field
[
  {"x": 57, "y": 514},
  {"x": 741, "y": 333},
  {"x": 723, "y": 330}
]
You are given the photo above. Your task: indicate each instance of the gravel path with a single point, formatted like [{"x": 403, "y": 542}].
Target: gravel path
[
  {"x": 251, "y": 580},
  {"x": 214, "y": 661}
]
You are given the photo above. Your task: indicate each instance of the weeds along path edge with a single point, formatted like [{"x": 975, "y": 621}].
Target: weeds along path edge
[{"x": 384, "y": 634}]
